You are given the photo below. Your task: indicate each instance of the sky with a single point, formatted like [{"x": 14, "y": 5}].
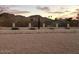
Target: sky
[{"x": 56, "y": 11}]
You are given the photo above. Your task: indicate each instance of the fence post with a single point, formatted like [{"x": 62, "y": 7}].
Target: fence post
[
  {"x": 43, "y": 25},
  {"x": 68, "y": 26},
  {"x": 13, "y": 25},
  {"x": 30, "y": 25},
  {"x": 56, "y": 25}
]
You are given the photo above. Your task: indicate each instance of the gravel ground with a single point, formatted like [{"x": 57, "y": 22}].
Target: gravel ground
[{"x": 39, "y": 42}]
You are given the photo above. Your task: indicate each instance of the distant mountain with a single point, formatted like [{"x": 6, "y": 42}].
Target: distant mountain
[
  {"x": 36, "y": 17},
  {"x": 7, "y": 19}
]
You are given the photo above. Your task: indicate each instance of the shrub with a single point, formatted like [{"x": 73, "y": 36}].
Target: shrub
[
  {"x": 15, "y": 28},
  {"x": 67, "y": 27},
  {"x": 32, "y": 28},
  {"x": 50, "y": 28}
]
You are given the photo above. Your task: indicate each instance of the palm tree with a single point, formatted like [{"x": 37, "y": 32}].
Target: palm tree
[
  {"x": 50, "y": 17},
  {"x": 68, "y": 22}
]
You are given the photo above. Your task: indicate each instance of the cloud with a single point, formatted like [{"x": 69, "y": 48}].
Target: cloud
[
  {"x": 3, "y": 8},
  {"x": 66, "y": 11},
  {"x": 56, "y": 12},
  {"x": 17, "y": 11},
  {"x": 43, "y": 8},
  {"x": 75, "y": 12},
  {"x": 47, "y": 9},
  {"x": 6, "y": 9},
  {"x": 59, "y": 12}
]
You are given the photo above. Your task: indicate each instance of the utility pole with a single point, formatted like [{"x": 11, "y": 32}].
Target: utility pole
[{"x": 38, "y": 23}]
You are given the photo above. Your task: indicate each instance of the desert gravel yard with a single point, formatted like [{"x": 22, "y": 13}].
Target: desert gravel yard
[{"x": 39, "y": 42}]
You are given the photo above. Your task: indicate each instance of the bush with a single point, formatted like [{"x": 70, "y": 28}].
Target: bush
[
  {"x": 67, "y": 27},
  {"x": 15, "y": 28},
  {"x": 32, "y": 28},
  {"x": 50, "y": 28}
]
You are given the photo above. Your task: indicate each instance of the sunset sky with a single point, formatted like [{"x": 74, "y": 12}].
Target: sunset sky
[{"x": 59, "y": 11}]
